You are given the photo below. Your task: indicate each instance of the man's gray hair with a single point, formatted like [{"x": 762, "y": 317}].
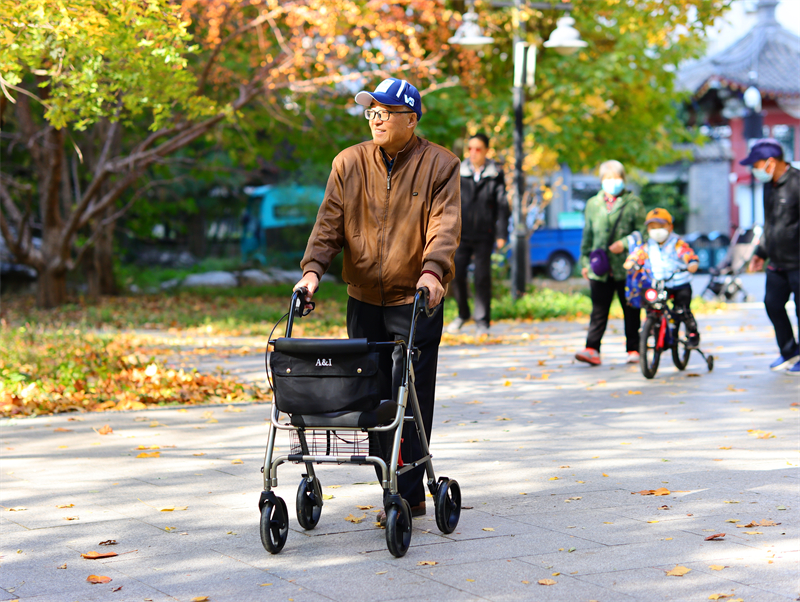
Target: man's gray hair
[{"x": 612, "y": 169}]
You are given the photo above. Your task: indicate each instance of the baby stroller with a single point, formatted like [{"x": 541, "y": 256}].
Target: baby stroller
[
  {"x": 724, "y": 283},
  {"x": 330, "y": 390}
]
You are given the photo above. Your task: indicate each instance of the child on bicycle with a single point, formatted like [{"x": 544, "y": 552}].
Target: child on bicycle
[{"x": 669, "y": 258}]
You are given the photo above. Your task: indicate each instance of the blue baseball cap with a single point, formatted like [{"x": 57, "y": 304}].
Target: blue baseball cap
[
  {"x": 763, "y": 149},
  {"x": 394, "y": 93}
]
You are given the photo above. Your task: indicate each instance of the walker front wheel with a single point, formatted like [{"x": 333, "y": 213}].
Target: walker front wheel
[
  {"x": 448, "y": 505},
  {"x": 308, "y": 510},
  {"x": 274, "y": 525},
  {"x": 398, "y": 529},
  {"x": 710, "y": 362}
]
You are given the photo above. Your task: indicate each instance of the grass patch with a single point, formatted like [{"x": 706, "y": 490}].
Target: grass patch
[{"x": 45, "y": 372}]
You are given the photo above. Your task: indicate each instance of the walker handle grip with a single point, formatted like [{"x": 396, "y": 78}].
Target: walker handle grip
[{"x": 424, "y": 294}]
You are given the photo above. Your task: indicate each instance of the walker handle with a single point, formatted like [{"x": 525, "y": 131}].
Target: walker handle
[{"x": 423, "y": 294}]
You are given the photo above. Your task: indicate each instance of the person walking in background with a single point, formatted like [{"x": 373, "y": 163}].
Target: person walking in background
[
  {"x": 484, "y": 223},
  {"x": 612, "y": 213},
  {"x": 780, "y": 244}
]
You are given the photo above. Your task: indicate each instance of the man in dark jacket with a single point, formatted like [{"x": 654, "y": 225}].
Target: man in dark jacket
[
  {"x": 780, "y": 244},
  {"x": 484, "y": 223}
]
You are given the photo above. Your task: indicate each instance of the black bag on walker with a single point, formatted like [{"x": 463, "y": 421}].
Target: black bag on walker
[{"x": 318, "y": 376}]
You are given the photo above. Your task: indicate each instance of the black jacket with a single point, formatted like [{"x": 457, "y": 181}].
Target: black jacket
[
  {"x": 781, "y": 240},
  {"x": 484, "y": 208}
]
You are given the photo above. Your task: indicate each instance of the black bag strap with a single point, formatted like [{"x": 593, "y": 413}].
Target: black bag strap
[{"x": 616, "y": 223}]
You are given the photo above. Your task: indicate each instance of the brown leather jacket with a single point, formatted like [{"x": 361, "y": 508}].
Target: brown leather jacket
[{"x": 390, "y": 226}]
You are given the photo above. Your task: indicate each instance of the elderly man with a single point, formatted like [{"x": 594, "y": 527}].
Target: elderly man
[
  {"x": 780, "y": 244},
  {"x": 392, "y": 204}
]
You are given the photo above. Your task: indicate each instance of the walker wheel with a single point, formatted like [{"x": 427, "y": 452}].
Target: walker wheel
[
  {"x": 448, "y": 505},
  {"x": 710, "y": 362},
  {"x": 398, "y": 529},
  {"x": 274, "y": 525},
  {"x": 308, "y": 511}
]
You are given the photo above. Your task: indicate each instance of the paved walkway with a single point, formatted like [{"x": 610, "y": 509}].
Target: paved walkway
[{"x": 549, "y": 455}]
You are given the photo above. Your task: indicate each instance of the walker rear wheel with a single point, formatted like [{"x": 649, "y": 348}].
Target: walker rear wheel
[
  {"x": 710, "y": 362},
  {"x": 274, "y": 525},
  {"x": 308, "y": 511},
  {"x": 448, "y": 505},
  {"x": 398, "y": 529}
]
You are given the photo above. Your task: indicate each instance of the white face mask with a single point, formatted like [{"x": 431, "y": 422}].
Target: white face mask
[{"x": 658, "y": 234}]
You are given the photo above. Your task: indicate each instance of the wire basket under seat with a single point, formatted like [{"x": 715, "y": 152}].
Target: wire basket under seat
[{"x": 331, "y": 443}]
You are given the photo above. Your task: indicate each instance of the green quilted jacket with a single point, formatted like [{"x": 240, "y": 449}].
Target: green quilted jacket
[{"x": 598, "y": 228}]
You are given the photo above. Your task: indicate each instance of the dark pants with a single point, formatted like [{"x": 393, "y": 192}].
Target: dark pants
[
  {"x": 481, "y": 251},
  {"x": 376, "y": 323},
  {"x": 781, "y": 284},
  {"x": 681, "y": 303},
  {"x": 602, "y": 295}
]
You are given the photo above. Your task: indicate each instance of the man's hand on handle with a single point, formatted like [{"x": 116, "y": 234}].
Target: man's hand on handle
[
  {"x": 756, "y": 264},
  {"x": 310, "y": 281},
  {"x": 617, "y": 247},
  {"x": 434, "y": 287},
  {"x": 585, "y": 273}
]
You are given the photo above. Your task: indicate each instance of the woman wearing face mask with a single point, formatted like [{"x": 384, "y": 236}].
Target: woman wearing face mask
[{"x": 613, "y": 213}]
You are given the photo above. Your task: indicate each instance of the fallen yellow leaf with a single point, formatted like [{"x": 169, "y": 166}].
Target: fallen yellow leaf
[
  {"x": 237, "y": 461},
  {"x": 678, "y": 571},
  {"x": 634, "y": 392},
  {"x": 65, "y": 506},
  {"x": 546, "y": 582},
  {"x": 487, "y": 529},
  {"x": 427, "y": 563},
  {"x": 149, "y": 455},
  {"x": 716, "y": 567},
  {"x": 98, "y": 579},
  {"x": 718, "y": 596},
  {"x": 200, "y": 599},
  {"x": 354, "y": 519}
]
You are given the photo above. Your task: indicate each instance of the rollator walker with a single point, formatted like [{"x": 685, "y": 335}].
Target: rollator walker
[{"x": 330, "y": 392}]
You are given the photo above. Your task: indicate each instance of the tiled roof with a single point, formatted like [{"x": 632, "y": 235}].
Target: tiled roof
[{"x": 768, "y": 57}]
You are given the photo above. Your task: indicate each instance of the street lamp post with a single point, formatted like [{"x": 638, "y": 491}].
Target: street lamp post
[{"x": 565, "y": 39}]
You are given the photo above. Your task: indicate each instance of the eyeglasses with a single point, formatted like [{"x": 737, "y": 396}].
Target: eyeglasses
[{"x": 381, "y": 114}]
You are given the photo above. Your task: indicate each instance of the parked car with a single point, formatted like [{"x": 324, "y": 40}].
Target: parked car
[
  {"x": 12, "y": 270},
  {"x": 556, "y": 250}
]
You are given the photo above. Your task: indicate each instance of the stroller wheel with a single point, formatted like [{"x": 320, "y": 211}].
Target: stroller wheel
[
  {"x": 448, "y": 505},
  {"x": 710, "y": 362},
  {"x": 398, "y": 529},
  {"x": 308, "y": 511},
  {"x": 274, "y": 525}
]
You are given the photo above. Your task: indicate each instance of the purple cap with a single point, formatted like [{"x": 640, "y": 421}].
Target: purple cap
[
  {"x": 394, "y": 93},
  {"x": 763, "y": 149}
]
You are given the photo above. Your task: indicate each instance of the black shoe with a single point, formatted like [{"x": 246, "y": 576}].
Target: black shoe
[{"x": 693, "y": 340}]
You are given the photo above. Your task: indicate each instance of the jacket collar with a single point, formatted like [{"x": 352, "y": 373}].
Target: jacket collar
[
  {"x": 402, "y": 155},
  {"x": 489, "y": 169}
]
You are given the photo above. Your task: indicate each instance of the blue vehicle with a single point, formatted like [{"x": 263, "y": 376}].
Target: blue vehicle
[{"x": 557, "y": 250}]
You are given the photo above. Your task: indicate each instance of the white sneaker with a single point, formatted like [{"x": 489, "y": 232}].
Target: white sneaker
[
  {"x": 783, "y": 363},
  {"x": 455, "y": 326}
]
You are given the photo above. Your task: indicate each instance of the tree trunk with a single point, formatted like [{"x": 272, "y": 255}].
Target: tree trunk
[
  {"x": 104, "y": 258},
  {"x": 196, "y": 233},
  {"x": 99, "y": 260},
  {"x": 51, "y": 290}
]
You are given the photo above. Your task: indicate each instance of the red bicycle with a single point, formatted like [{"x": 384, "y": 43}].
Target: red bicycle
[{"x": 664, "y": 329}]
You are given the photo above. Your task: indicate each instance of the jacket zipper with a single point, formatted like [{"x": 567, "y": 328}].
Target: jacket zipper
[{"x": 383, "y": 234}]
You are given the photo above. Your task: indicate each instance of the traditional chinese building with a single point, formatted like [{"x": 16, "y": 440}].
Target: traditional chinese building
[{"x": 749, "y": 90}]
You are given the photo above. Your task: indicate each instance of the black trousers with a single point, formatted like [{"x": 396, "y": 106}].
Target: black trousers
[
  {"x": 481, "y": 251},
  {"x": 781, "y": 284},
  {"x": 681, "y": 302},
  {"x": 376, "y": 323},
  {"x": 602, "y": 295}
]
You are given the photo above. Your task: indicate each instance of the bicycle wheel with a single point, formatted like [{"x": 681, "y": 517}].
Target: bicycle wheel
[
  {"x": 649, "y": 355},
  {"x": 680, "y": 352}
]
